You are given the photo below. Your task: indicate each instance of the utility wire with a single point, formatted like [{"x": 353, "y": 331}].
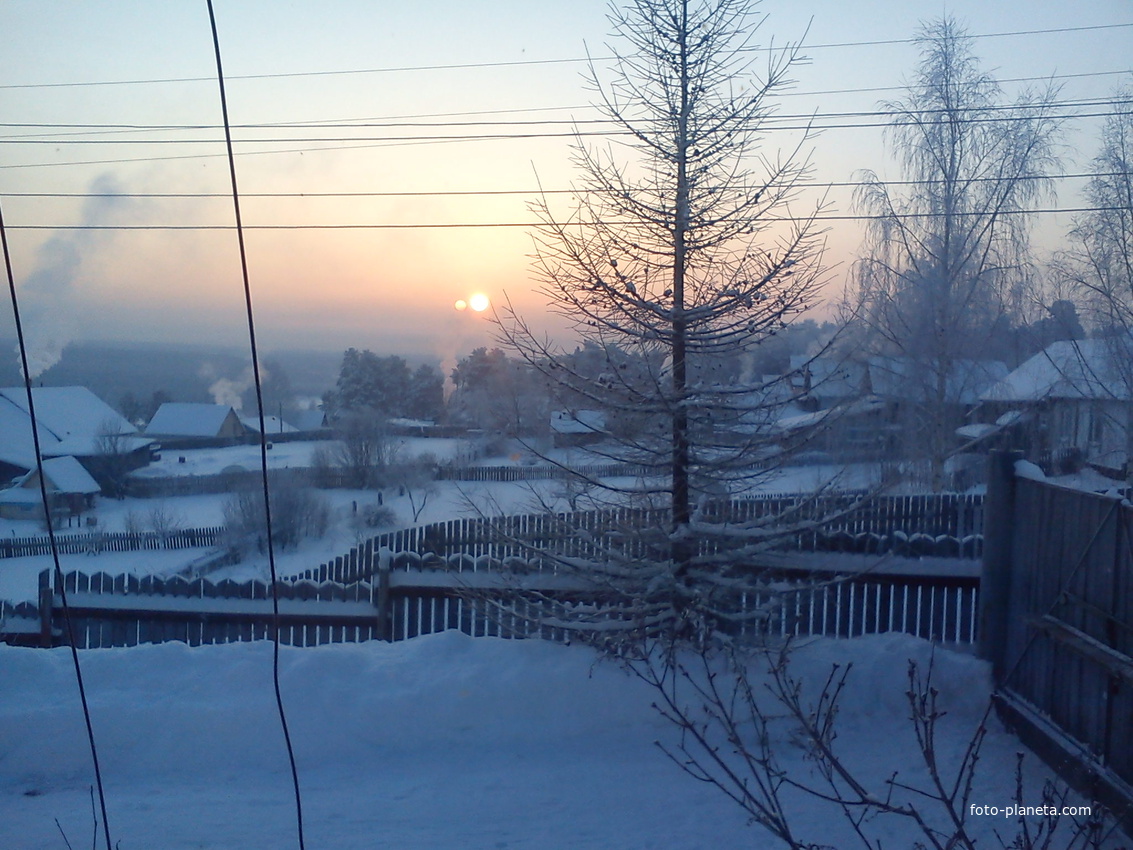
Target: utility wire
[
  {"x": 394, "y": 123},
  {"x": 768, "y": 124},
  {"x": 571, "y": 108},
  {"x": 349, "y": 144},
  {"x": 532, "y": 224},
  {"x": 532, "y": 62},
  {"x": 263, "y": 431},
  {"x": 476, "y": 193},
  {"x": 60, "y": 582},
  {"x": 394, "y": 142}
]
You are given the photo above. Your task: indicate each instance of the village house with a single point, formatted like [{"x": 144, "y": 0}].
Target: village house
[
  {"x": 1066, "y": 406},
  {"x": 71, "y": 491},
  {"x": 273, "y": 426},
  {"x": 577, "y": 427},
  {"x": 851, "y": 409},
  {"x": 72, "y": 421},
  {"x": 311, "y": 421},
  {"x": 187, "y": 425}
]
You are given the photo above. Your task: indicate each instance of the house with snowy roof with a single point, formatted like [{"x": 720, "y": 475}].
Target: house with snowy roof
[
  {"x": 577, "y": 427},
  {"x": 188, "y": 424},
  {"x": 273, "y": 425},
  {"x": 311, "y": 420},
  {"x": 71, "y": 490},
  {"x": 864, "y": 407},
  {"x": 72, "y": 421},
  {"x": 1071, "y": 403}
]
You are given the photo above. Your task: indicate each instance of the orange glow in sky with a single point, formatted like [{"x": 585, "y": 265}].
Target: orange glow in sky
[{"x": 388, "y": 154}]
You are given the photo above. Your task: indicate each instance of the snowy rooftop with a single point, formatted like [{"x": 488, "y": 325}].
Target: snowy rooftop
[
  {"x": 1065, "y": 369},
  {"x": 859, "y": 407},
  {"x": 310, "y": 420},
  {"x": 273, "y": 425},
  {"x": 578, "y": 422},
  {"x": 67, "y": 475},
  {"x": 72, "y": 421},
  {"x": 186, "y": 419}
]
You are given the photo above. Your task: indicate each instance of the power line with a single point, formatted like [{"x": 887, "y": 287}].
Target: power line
[
  {"x": 530, "y": 193},
  {"x": 528, "y": 62},
  {"x": 258, "y": 383},
  {"x": 779, "y": 219},
  {"x": 343, "y": 143},
  {"x": 60, "y": 581},
  {"x": 363, "y": 124}
]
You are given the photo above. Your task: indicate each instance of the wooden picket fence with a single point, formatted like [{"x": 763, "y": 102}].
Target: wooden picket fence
[
  {"x": 148, "y": 487},
  {"x": 112, "y": 611},
  {"x": 940, "y": 524},
  {"x": 543, "y": 473},
  {"x": 95, "y": 542}
]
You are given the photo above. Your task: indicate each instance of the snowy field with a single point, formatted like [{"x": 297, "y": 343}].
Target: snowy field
[
  {"x": 447, "y": 500},
  {"x": 294, "y": 455},
  {"x": 451, "y": 499},
  {"x": 439, "y": 742}
]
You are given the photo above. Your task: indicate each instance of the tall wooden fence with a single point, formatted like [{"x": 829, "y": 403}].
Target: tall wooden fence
[
  {"x": 108, "y": 611},
  {"x": 941, "y": 524},
  {"x": 1059, "y": 575}
]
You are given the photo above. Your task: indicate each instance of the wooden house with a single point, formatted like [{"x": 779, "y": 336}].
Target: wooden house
[
  {"x": 71, "y": 491},
  {"x": 1068, "y": 405},
  {"x": 188, "y": 424}
]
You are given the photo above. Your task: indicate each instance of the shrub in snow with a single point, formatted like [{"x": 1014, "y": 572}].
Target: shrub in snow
[
  {"x": 296, "y": 513},
  {"x": 367, "y": 517}
]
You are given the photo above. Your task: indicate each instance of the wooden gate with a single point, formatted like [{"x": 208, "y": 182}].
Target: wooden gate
[{"x": 1058, "y": 626}]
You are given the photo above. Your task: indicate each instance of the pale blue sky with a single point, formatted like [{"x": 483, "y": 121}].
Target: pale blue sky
[{"x": 377, "y": 288}]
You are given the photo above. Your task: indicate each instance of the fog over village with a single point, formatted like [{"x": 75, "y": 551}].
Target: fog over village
[{"x": 657, "y": 424}]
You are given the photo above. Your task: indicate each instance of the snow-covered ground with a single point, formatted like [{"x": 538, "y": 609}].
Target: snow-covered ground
[
  {"x": 446, "y": 500},
  {"x": 439, "y": 742},
  {"x": 294, "y": 455},
  {"x": 451, "y": 499}
]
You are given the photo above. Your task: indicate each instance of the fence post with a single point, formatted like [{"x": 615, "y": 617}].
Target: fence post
[
  {"x": 382, "y": 601},
  {"x": 46, "y": 603},
  {"x": 995, "y": 574}
]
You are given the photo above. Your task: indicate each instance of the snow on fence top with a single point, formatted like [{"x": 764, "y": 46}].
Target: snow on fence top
[
  {"x": 938, "y": 524},
  {"x": 101, "y": 541}
]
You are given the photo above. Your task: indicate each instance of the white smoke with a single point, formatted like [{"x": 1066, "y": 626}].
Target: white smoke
[
  {"x": 48, "y": 296},
  {"x": 230, "y": 391}
]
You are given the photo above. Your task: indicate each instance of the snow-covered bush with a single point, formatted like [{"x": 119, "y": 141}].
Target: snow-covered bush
[{"x": 296, "y": 513}]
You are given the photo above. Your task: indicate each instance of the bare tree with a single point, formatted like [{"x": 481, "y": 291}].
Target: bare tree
[
  {"x": 1100, "y": 263},
  {"x": 683, "y": 255},
  {"x": 946, "y": 253},
  {"x": 365, "y": 449},
  {"x": 1099, "y": 267},
  {"x": 745, "y": 731},
  {"x": 416, "y": 478},
  {"x": 114, "y": 447},
  {"x": 297, "y": 513}
]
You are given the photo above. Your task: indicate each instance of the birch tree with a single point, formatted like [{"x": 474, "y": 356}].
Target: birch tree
[
  {"x": 1100, "y": 261},
  {"x": 947, "y": 248},
  {"x": 1099, "y": 266}
]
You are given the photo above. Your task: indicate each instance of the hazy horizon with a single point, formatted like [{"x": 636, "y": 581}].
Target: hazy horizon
[{"x": 386, "y": 155}]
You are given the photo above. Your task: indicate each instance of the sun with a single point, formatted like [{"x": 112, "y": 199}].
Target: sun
[{"x": 479, "y": 302}]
